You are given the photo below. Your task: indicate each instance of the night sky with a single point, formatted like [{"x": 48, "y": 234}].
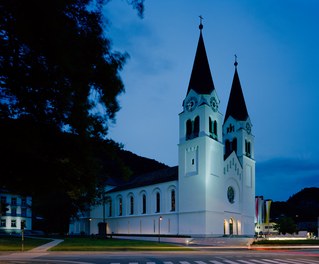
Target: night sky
[{"x": 277, "y": 46}]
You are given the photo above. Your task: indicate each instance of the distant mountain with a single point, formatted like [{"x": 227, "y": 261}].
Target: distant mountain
[
  {"x": 302, "y": 206},
  {"x": 140, "y": 165}
]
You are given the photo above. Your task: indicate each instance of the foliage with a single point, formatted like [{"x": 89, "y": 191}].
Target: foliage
[
  {"x": 303, "y": 207},
  {"x": 287, "y": 242},
  {"x": 59, "y": 82},
  {"x": 286, "y": 225},
  {"x": 57, "y": 66}
]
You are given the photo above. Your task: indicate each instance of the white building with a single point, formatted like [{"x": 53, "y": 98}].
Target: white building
[
  {"x": 19, "y": 212},
  {"x": 212, "y": 190}
]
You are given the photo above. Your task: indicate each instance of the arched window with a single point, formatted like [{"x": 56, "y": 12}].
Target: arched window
[
  {"x": 196, "y": 126},
  {"x": 131, "y": 204},
  {"x": 173, "y": 201},
  {"x": 144, "y": 204},
  {"x": 120, "y": 206},
  {"x": 247, "y": 148},
  {"x": 158, "y": 202},
  {"x": 234, "y": 145},
  {"x": 189, "y": 128},
  {"x": 110, "y": 207},
  {"x": 210, "y": 126},
  {"x": 227, "y": 148},
  {"x": 215, "y": 129}
]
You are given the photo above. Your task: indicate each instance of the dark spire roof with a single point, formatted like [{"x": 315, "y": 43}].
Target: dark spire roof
[
  {"x": 201, "y": 80},
  {"x": 236, "y": 104}
]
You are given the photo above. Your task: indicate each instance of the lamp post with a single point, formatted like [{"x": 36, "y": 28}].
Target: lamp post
[{"x": 159, "y": 228}]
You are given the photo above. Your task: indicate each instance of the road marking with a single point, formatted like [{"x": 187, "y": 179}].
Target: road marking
[
  {"x": 200, "y": 262},
  {"x": 230, "y": 261},
  {"x": 245, "y": 261},
  {"x": 150, "y": 263},
  {"x": 272, "y": 261},
  {"x": 305, "y": 260},
  {"x": 258, "y": 261},
  {"x": 216, "y": 262},
  {"x": 184, "y": 262},
  {"x": 284, "y": 261},
  {"x": 168, "y": 262}
]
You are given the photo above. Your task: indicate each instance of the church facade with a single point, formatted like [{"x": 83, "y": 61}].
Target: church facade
[{"x": 211, "y": 192}]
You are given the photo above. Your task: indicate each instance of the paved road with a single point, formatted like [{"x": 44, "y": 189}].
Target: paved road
[{"x": 195, "y": 257}]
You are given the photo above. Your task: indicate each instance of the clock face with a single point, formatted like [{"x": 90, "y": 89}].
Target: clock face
[
  {"x": 231, "y": 194},
  {"x": 248, "y": 128},
  {"x": 214, "y": 104},
  {"x": 191, "y": 104}
]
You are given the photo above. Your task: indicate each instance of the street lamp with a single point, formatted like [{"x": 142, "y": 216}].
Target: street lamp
[{"x": 159, "y": 228}]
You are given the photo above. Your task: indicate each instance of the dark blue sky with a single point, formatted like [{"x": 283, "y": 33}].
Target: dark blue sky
[{"x": 277, "y": 47}]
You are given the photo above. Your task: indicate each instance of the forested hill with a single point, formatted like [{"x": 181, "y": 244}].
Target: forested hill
[
  {"x": 140, "y": 165},
  {"x": 302, "y": 206}
]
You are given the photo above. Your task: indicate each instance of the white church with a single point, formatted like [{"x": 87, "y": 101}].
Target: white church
[{"x": 211, "y": 193}]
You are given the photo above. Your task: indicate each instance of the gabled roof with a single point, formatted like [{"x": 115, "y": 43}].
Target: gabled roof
[
  {"x": 236, "y": 104},
  {"x": 201, "y": 80},
  {"x": 160, "y": 176}
]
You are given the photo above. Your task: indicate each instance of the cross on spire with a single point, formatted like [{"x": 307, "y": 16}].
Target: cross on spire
[
  {"x": 235, "y": 63},
  {"x": 200, "y": 23}
]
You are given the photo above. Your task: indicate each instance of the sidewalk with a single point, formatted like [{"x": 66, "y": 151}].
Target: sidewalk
[
  {"x": 33, "y": 253},
  {"x": 46, "y": 247}
]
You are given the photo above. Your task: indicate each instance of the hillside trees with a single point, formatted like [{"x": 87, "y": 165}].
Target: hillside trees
[{"x": 59, "y": 82}]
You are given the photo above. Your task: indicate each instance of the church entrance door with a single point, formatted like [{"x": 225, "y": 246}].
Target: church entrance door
[{"x": 231, "y": 226}]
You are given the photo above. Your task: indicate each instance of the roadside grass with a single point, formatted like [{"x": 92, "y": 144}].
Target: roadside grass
[
  {"x": 111, "y": 244},
  {"x": 287, "y": 242},
  {"x": 15, "y": 243}
]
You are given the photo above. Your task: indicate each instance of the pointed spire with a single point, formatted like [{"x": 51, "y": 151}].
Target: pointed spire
[
  {"x": 236, "y": 104},
  {"x": 201, "y": 80}
]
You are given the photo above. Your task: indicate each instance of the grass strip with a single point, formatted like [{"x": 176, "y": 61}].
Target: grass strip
[
  {"x": 99, "y": 244},
  {"x": 15, "y": 243}
]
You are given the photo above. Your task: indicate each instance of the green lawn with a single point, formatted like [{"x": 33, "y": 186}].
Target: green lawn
[
  {"x": 96, "y": 244},
  {"x": 15, "y": 244}
]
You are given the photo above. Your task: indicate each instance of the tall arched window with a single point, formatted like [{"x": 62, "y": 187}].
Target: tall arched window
[
  {"x": 173, "y": 201},
  {"x": 196, "y": 126},
  {"x": 158, "y": 202},
  {"x": 110, "y": 207},
  {"x": 189, "y": 128},
  {"x": 227, "y": 148},
  {"x": 210, "y": 126},
  {"x": 131, "y": 204},
  {"x": 215, "y": 129},
  {"x": 247, "y": 148},
  {"x": 144, "y": 204},
  {"x": 120, "y": 206},
  {"x": 234, "y": 145}
]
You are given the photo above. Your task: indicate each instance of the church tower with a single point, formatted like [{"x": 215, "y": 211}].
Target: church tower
[
  {"x": 239, "y": 146},
  {"x": 200, "y": 152}
]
